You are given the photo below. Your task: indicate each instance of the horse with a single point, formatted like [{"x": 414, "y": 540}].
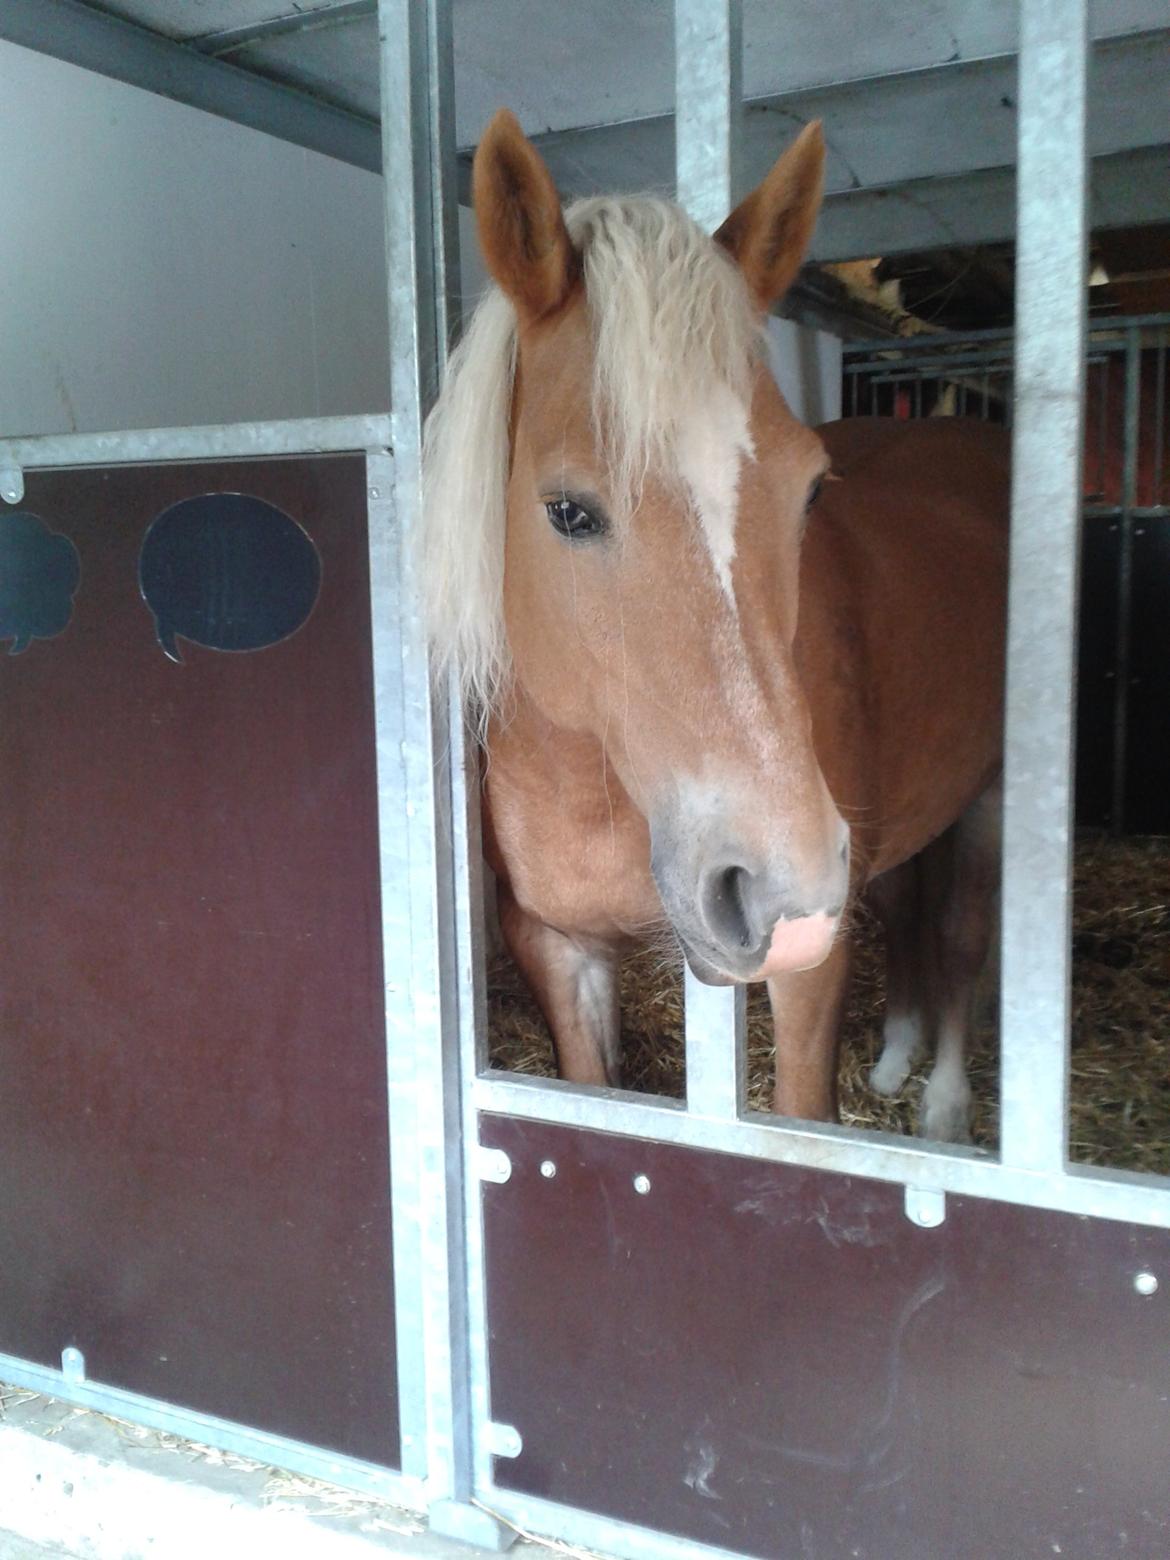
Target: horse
[{"x": 728, "y": 673}]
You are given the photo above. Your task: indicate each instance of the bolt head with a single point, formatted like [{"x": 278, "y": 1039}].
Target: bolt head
[
  {"x": 548, "y": 1169},
  {"x": 1145, "y": 1283},
  {"x": 642, "y": 1184}
]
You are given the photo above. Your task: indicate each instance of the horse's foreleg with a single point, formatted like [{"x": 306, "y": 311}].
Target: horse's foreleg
[
  {"x": 961, "y": 874},
  {"x": 896, "y": 898},
  {"x": 806, "y": 1019},
  {"x": 577, "y": 990}
]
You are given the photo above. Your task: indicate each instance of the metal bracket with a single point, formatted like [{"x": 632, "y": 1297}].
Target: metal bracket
[
  {"x": 492, "y": 1164},
  {"x": 501, "y": 1440},
  {"x": 72, "y": 1365},
  {"x": 11, "y": 483},
  {"x": 470, "y": 1525},
  {"x": 925, "y": 1207}
]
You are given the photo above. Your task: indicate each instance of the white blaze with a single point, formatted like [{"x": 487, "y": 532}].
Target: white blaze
[{"x": 712, "y": 447}]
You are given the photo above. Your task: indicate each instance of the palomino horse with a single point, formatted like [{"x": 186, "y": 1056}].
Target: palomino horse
[{"x": 621, "y": 518}]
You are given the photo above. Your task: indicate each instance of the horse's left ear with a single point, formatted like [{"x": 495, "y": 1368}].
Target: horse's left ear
[{"x": 769, "y": 231}]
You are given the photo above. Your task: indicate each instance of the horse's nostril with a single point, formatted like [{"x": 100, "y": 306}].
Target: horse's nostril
[{"x": 726, "y": 910}]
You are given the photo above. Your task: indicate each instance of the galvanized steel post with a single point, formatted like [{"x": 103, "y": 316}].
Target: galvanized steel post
[
  {"x": 708, "y": 115},
  {"x": 415, "y": 794},
  {"x": 1046, "y": 513},
  {"x": 1129, "y": 498}
]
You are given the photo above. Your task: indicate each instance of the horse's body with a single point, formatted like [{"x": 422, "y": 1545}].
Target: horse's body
[{"x": 669, "y": 736}]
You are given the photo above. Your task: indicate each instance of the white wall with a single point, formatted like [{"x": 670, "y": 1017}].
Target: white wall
[
  {"x": 162, "y": 267},
  {"x": 807, "y": 366}
]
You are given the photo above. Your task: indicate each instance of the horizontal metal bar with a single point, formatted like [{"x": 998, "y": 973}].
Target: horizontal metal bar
[
  {"x": 991, "y": 380},
  {"x": 881, "y": 1156},
  {"x": 590, "y": 1534},
  {"x": 944, "y": 339},
  {"x": 216, "y": 441},
  {"x": 85, "y": 36},
  {"x": 1115, "y": 512},
  {"x": 932, "y": 367},
  {"x": 260, "y": 1445}
]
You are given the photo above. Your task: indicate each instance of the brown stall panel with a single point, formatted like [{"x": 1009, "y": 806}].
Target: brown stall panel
[
  {"x": 193, "y": 1138},
  {"x": 776, "y": 1360}
]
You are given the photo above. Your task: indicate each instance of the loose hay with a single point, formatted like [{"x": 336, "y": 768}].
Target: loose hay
[{"x": 1120, "y": 1028}]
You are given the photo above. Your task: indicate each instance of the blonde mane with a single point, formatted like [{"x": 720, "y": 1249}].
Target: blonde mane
[{"x": 674, "y": 331}]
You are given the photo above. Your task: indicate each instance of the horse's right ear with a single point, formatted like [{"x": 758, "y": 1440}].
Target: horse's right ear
[{"x": 522, "y": 232}]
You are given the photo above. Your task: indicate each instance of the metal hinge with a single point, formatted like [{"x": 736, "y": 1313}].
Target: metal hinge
[
  {"x": 492, "y": 1164},
  {"x": 502, "y": 1440}
]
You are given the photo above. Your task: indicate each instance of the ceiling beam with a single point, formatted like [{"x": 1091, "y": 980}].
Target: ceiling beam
[
  {"x": 1128, "y": 189},
  {"x": 74, "y": 32},
  {"x": 889, "y": 130},
  {"x": 918, "y": 160}
]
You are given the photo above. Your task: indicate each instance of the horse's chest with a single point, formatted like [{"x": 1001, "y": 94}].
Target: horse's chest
[{"x": 576, "y": 859}]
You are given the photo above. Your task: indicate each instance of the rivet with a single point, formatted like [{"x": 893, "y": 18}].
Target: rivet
[
  {"x": 1145, "y": 1283},
  {"x": 642, "y": 1184},
  {"x": 374, "y": 493},
  {"x": 547, "y": 1169}
]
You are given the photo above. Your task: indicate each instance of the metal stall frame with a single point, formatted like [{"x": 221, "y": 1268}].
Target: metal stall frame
[
  {"x": 438, "y": 1078},
  {"x": 1032, "y": 1168},
  {"x": 368, "y": 436},
  {"x": 419, "y": 867}
]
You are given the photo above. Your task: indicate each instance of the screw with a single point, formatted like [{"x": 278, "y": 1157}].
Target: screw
[
  {"x": 547, "y": 1169},
  {"x": 642, "y": 1184},
  {"x": 1145, "y": 1283}
]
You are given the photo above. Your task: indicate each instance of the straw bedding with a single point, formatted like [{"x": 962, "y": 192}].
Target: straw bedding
[{"x": 1120, "y": 1113}]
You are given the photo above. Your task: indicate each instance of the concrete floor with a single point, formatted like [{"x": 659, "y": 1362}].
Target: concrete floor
[{"x": 79, "y": 1485}]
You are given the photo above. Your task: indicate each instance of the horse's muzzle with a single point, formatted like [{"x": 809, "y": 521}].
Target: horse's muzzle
[{"x": 743, "y": 919}]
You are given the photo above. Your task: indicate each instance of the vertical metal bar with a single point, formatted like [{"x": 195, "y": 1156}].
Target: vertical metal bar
[
  {"x": 708, "y": 106},
  {"x": 1129, "y": 495},
  {"x": 1046, "y": 513},
  {"x": 708, "y": 63},
  {"x": 1158, "y": 483},
  {"x": 398, "y": 931},
  {"x": 1103, "y": 430},
  {"x": 716, "y": 1041},
  {"x": 420, "y": 907}
]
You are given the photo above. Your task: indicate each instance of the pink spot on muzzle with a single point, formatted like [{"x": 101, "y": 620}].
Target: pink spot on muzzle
[{"x": 798, "y": 945}]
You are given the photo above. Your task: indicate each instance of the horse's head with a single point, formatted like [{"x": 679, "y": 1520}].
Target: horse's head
[{"x": 611, "y": 423}]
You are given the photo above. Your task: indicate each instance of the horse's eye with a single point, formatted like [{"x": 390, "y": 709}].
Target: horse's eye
[
  {"x": 814, "y": 492},
  {"x": 572, "y": 519}
]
